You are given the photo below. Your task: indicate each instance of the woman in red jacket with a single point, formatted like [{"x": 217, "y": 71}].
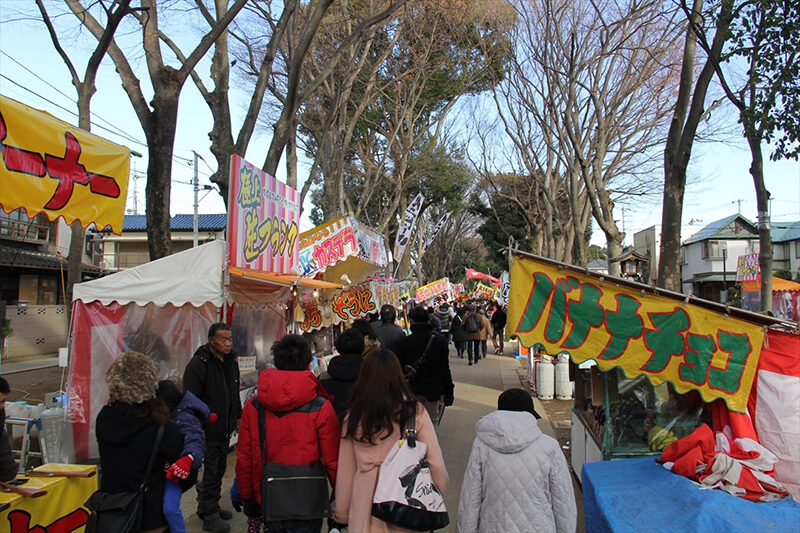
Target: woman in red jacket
[{"x": 301, "y": 429}]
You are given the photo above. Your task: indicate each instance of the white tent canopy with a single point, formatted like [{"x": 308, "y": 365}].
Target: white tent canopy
[{"x": 193, "y": 276}]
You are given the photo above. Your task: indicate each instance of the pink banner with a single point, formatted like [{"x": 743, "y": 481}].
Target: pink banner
[{"x": 263, "y": 218}]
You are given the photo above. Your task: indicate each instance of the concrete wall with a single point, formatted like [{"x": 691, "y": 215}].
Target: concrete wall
[{"x": 38, "y": 330}]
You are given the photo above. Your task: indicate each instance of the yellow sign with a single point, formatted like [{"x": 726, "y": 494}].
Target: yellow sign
[
  {"x": 61, "y": 510},
  {"x": 664, "y": 339},
  {"x": 50, "y": 167}
]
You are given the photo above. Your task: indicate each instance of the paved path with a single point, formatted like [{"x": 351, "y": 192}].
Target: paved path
[{"x": 477, "y": 389}]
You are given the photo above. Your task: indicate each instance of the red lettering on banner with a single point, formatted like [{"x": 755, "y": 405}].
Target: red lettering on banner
[
  {"x": 67, "y": 170},
  {"x": 21, "y": 522}
]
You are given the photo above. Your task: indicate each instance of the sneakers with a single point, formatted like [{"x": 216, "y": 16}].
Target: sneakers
[{"x": 215, "y": 524}]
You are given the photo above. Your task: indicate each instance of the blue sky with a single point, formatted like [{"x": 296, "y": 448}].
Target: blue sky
[{"x": 33, "y": 73}]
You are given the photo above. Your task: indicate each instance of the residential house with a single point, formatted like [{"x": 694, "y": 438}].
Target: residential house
[
  {"x": 647, "y": 243},
  {"x": 786, "y": 247},
  {"x": 710, "y": 256},
  {"x": 130, "y": 249}
]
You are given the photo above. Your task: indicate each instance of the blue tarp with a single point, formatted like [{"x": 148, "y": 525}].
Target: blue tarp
[{"x": 640, "y": 495}]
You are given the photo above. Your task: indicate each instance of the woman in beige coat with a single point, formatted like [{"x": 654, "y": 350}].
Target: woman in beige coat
[
  {"x": 486, "y": 327},
  {"x": 372, "y": 426}
]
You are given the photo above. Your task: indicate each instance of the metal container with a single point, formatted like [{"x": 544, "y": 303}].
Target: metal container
[
  {"x": 545, "y": 380},
  {"x": 563, "y": 384}
]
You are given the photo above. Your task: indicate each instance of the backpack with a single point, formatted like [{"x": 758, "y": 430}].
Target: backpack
[{"x": 472, "y": 324}]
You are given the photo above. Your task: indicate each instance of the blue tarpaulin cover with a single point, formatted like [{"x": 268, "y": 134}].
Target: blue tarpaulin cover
[{"x": 640, "y": 495}]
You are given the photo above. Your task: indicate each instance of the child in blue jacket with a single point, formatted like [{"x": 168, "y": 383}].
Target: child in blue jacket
[{"x": 190, "y": 413}]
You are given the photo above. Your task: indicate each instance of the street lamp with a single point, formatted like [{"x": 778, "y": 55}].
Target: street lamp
[{"x": 724, "y": 294}]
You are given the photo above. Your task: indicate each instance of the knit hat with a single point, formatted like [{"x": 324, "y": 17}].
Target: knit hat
[{"x": 132, "y": 378}]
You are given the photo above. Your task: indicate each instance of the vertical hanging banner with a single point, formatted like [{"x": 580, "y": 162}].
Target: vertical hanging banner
[
  {"x": 51, "y": 167},
  {"x": 436, "y": 229},
  {"x": 404, "y": 233},
  {"x": 505, "y": 288},
  {"x": 263, "y": 218},
  {"x": 642, "y": 333}
]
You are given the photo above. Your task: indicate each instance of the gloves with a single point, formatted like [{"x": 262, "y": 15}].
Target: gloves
[
  {"x": 252, "y": 509},
  {"x": 179, "y": 470},
  {"x": 448, "y": 400}
]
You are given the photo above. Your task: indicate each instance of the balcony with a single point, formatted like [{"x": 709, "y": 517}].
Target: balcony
[{"x": 27, "y": 231}]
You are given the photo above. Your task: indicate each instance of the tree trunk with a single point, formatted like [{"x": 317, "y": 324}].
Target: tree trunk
[
  {"x": 159, "y": 169},
  {"x": 614, "y": 245},
  {"x": 764, "y": 237}
]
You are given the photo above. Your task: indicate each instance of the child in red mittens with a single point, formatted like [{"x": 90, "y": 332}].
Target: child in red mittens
[{"x": 189, "y": 413}]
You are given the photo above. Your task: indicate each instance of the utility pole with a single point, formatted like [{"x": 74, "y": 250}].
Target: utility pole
[{"x": 196, "y": 187}]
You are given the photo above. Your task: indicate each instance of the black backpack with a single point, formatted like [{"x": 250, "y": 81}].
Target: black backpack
[{"x": 472, "y": 324}]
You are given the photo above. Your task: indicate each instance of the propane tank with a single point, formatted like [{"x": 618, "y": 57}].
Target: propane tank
[
  {"x": 545, "y": 380},
  {"x": 563, "y": 384}
]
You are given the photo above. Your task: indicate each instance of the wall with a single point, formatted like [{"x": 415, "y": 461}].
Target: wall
[{"x": 39, "y": 330}]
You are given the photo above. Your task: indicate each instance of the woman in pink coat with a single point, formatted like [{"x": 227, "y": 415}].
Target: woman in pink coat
[{"x": 370, "y": 429}]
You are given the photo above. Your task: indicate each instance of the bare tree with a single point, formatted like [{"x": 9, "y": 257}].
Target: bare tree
[
  {"x": 159, "y": 117},
  {"x": 85, "y": 89}
]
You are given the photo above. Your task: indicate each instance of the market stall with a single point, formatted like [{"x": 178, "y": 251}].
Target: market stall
[
  {"x": 434, "y": 289},
  {"x": 639, "y": 495},
  {"x": 651, "y": 363}
]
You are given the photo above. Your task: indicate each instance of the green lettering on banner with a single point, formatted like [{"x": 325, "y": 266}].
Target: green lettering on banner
[
  {"x": 558, "y": 311},
  {"x": 540, "y": 292},
  {"x": 666, "y": 341},
  {"x": 623, "y": 325},
  {"x": 584, "y": 314},
  {"x": 738, "y": 348},
  {"x": 697, "y": 358}
]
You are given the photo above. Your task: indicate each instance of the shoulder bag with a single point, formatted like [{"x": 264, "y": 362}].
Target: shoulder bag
[
  {"x": 121, "y": 512},
  {"x": 411, "y": 370},
  {"x": 291, "y": 492},
  {"x": 406, "y": 495}
]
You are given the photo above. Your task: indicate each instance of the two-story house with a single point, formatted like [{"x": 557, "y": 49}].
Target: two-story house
[
  {"x": 786, "y": 247},
  {"x": 710, "y": 256},
  {"x": 130, "y": 249}
]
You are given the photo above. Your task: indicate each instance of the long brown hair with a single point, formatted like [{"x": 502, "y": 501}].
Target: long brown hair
[
  {"x": 154, "y": 409},
  {"x": 380, "y": 398}
]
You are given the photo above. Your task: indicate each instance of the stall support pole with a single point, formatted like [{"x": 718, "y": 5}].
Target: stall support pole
[{"x": 607, "y": 437}]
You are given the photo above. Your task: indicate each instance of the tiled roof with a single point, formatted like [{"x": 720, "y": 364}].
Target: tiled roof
[
  {"x": 22, "y": 257},
  {"x": 785, "y": 231},
  {"x": 718, "y": 230},
  {"x": 208, "y": 222}
]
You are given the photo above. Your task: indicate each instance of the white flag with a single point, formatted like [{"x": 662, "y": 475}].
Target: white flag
[
  {"x": 404, "y": 233},
  {"x": 436, "y": 229},
  {"x": 505, "y": 288}
]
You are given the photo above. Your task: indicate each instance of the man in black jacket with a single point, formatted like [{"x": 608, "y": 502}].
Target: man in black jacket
[
  {"x": 387, "y": 331},
  {"x": 433, "y": 381},
  {"x": 213, "y": 376}
]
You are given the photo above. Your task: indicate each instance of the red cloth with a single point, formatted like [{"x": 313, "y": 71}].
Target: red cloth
[
  {"x": 691, "y": 452},
  {"x": 292, "y": 439},
  {"x": 474, "y": 274}
]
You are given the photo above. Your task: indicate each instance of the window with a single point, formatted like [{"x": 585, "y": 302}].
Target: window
[
  {"x": 712, "y": 250},
  {"x": 797, "y": 249},
  {"x": 683, "y": 255}
]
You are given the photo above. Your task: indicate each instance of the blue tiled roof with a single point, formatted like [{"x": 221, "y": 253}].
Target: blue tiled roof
[
  {"x": 718, "y": 230},
  {"x": 209, "y": 222}
]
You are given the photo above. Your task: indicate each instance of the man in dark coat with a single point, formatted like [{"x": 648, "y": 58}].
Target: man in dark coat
[
  {"x": 213, "y": 376},
  {"x": 343, "y": 369},
  {"x": 433, "y": 381},
  {"x": 387, "y": 331}
]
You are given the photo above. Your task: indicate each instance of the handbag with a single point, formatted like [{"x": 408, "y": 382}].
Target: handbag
[
  {"x": 411, "y": 370},
  {"x": 406, "y": 495},
  {"x": 292, "y": 492},
  {"x": 121, "y": 512}
]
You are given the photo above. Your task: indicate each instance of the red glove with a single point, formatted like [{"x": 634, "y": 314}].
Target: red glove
[{"x": 180, "y": 468}]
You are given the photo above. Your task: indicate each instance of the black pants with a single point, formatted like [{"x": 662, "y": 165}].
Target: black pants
[{"x": 209, "y": 489}]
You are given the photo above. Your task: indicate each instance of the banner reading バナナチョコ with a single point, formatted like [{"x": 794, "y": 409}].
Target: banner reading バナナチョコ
[
  {"x": 689, "y": 346},
  {"x": 51, "y": 167},
  {"x": 263, "y": 214}
]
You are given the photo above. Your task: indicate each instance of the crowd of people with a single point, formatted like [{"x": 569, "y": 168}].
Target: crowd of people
[{"x": 300, "y": 433}]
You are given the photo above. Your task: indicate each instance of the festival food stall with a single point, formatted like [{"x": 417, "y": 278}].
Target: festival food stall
[
  {"x": 660, "y": 365},
  {"x": 440, "y": 287},
  {"x": 342, "y": 251},
  {"x": 52, "y": 168}
]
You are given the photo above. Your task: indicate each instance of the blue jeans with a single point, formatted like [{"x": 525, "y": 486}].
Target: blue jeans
[
  {"x": 294, "y": 526},
  {"x": 172, "y": 506}
]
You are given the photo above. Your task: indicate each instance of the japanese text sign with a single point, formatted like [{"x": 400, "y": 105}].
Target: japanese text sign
[
  {"x": 485, "y": 290},
  {"x": 51, "y": 167},
  {"x": 662, "y": 338},
  {"x": 355, "y": 302},
  {"x": 263, "y": 215},
  {"x": 407, "y": 226},
  {"x": 336, "y": 241},
  {"x": 747, "y": 268},
  {"x": 432, "y": 290}
]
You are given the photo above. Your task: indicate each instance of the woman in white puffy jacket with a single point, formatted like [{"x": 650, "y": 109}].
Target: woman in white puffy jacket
[{"x": 517, "y": 478}]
